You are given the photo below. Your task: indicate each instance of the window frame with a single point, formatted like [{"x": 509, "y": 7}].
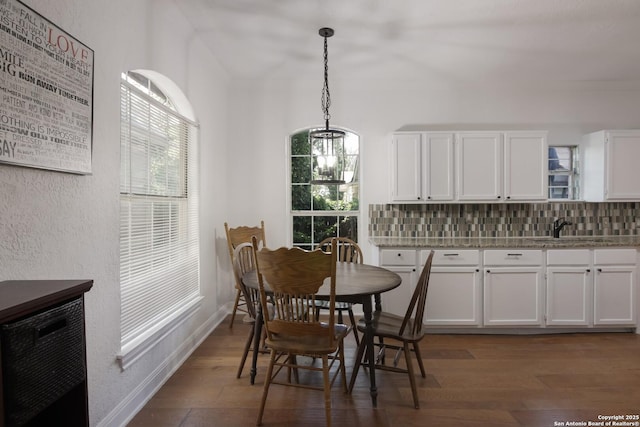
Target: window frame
[
  {"x": 171, "y": 190},
  {"x": 572, "y": 172},
  {"x": 319, "y": 214}
]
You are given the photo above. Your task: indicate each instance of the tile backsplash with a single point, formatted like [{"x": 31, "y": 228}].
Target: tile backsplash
[{"x": 502, "y": 220}]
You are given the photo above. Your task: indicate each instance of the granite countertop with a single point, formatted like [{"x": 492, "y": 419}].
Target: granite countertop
[{"x": 533, "y": 242}]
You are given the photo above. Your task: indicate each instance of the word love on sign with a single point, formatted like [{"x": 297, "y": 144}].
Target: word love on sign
[
  {"x": 46, "y": 93},
  {"x": 67, "y": 45}
]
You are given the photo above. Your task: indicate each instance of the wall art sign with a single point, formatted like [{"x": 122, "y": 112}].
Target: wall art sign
[{"x": 46, "y": 93}]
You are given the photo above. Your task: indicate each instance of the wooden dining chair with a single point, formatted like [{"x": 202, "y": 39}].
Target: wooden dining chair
[
  {"x": 244, "y": 262},
  {"x": 404, "y": 332},
  {"x": 236, "y": 236},
  {"x": 348, "y": 251},
  {"x": 290, "y": 278}
]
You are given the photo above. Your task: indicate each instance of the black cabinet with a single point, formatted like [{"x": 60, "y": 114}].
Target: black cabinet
[{"x": 43, "y": 375}]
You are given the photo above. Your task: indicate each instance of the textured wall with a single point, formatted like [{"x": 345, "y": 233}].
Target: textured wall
[
  {"x": 502, "y": 220},
  {"x": 61, "y": 226}
]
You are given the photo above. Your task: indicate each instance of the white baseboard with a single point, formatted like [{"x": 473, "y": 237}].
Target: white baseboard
[{"x": 135, "y": 401}]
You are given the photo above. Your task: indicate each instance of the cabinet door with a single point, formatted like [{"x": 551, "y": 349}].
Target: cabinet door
[
  {"x": 437, "y": 166},
  {"x": 614, "y": 295},
  {"x": 512, "y": 296},
  {"x": 479, "y": 166},
  {"x": 525, "y": 166},
  {"x": 406, "y": 168},
  {"x": 568, "y": 296},
  {"x": 622, "y": 151},
  {"x": 454, "y": 296},
  {"x": 397, "y": 300}
]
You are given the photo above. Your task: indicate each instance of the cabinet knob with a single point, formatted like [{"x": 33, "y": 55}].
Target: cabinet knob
[
  {"x": 418, "y": 197},
  {"x": 508, "y": 197},
  {"x": 588, "y": 270},
  {"x": 488, "y": 271},
  {"x": 498, "y": 197},
  {"x": 599, "y": 270}
]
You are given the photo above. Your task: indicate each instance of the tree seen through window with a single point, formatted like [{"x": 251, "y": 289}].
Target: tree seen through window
[{"x": 328, "y": 210}]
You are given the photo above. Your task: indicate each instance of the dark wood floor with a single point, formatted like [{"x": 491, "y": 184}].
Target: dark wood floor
[{"x": 472, "y": 380}]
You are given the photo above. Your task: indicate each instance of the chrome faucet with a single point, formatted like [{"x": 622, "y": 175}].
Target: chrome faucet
[{"x": 557, "y": 226}]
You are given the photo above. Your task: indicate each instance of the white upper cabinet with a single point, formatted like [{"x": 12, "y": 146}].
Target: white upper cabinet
[
  {"x": 406, "y": 167},
  {"x": 611, "y": 169},
  {"x": 469, "y": 166},
  {"x": 525, "y": 166},
  {"x": 479, "y": 166},
  {"x": 437, "y": 173},
  {"x": 422, "y": 167}
]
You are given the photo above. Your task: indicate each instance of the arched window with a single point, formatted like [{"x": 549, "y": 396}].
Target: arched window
[
  {"x": 323, "y": 210},
  {"x": 159, "y": 243}
]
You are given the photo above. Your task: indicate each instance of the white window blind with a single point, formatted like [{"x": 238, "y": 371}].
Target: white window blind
[{"x": 159, "y": 245}]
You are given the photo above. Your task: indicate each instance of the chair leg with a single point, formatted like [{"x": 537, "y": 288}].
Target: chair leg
[
  {"x": 381, "y": 355},
  {"x": 343, "y": 367},
  {"x": 235, "y": 308},
  {"x": 412, "y": 379},
  {"x": 263, "y": 345},
  {"x": 416, "y": 350},
  {"x": 358, "y": 362},
  {"x": 353, "y": 324},
  {"x": 265, "y": 390},
  {"x": 292, "y": 360},
  {"x": 247, "y": 346},
  {"x": 327, "y": 388}
]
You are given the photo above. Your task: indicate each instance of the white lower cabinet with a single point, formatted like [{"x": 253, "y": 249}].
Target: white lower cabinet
[
  {"x": 614, "y": 284},
  {"x": 513, "y": 288},
  {"x": 403, "y": 262},
  {"x": 502, "y": 288},
  {"x": 569, "y": 288},
  {"x": 455, "y": 294}
]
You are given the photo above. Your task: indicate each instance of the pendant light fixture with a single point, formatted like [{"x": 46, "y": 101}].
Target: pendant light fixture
[{"x": 327, "y": 144}]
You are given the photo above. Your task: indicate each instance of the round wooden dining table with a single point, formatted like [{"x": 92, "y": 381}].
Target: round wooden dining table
[{"x": 355, "y": 283}]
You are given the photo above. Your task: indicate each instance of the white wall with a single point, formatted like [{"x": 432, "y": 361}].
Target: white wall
[{"x": 63, "y": 226}]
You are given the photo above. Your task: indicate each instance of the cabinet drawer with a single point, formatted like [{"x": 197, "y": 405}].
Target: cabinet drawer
[
  {"x": 513, "y": 257},
  {"x": 398, "y": 257},
  {"x": 569, "y": 257},
  {"x": 614, "y": 256},
  {"x": 452, "y": 257}
]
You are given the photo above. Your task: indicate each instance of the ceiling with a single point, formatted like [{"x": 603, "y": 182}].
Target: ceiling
[{"x": 443, "y": 40}]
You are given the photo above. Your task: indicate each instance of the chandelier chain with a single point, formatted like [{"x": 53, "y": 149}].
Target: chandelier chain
[{"x": 326, "y": 96}]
